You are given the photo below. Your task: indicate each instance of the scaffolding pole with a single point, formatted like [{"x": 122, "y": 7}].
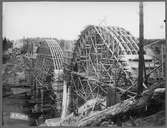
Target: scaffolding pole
[{"x": 141, "y": 56}]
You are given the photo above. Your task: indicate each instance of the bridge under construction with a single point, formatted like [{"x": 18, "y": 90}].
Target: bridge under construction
[{"x": 102, "y": 65}]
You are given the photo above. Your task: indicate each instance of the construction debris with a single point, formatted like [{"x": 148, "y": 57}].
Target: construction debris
[{"x": 123, "y": 110}]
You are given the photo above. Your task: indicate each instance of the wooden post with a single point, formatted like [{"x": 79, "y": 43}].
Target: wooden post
[
  {"x": 36, "y": 92},
  {"x": 115, "y": 90},
  {"x": 69, "y": 100},
  {"x": 64, "y": 103},
  {"x": 165, "y": 46},
  {"x": 162, "y": 57},
  {"x": 141, "y": 58},
  {"x": 42, "y": 99},
  {"x": 110, "y": 98}
]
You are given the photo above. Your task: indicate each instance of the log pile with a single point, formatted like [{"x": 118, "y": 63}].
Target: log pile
[
  {"x": 120, "y": 109},
  {"x": 123, "y": 111}
]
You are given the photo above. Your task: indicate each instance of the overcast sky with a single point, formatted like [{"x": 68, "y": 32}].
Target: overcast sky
[{"x": 65, "y": 20}]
